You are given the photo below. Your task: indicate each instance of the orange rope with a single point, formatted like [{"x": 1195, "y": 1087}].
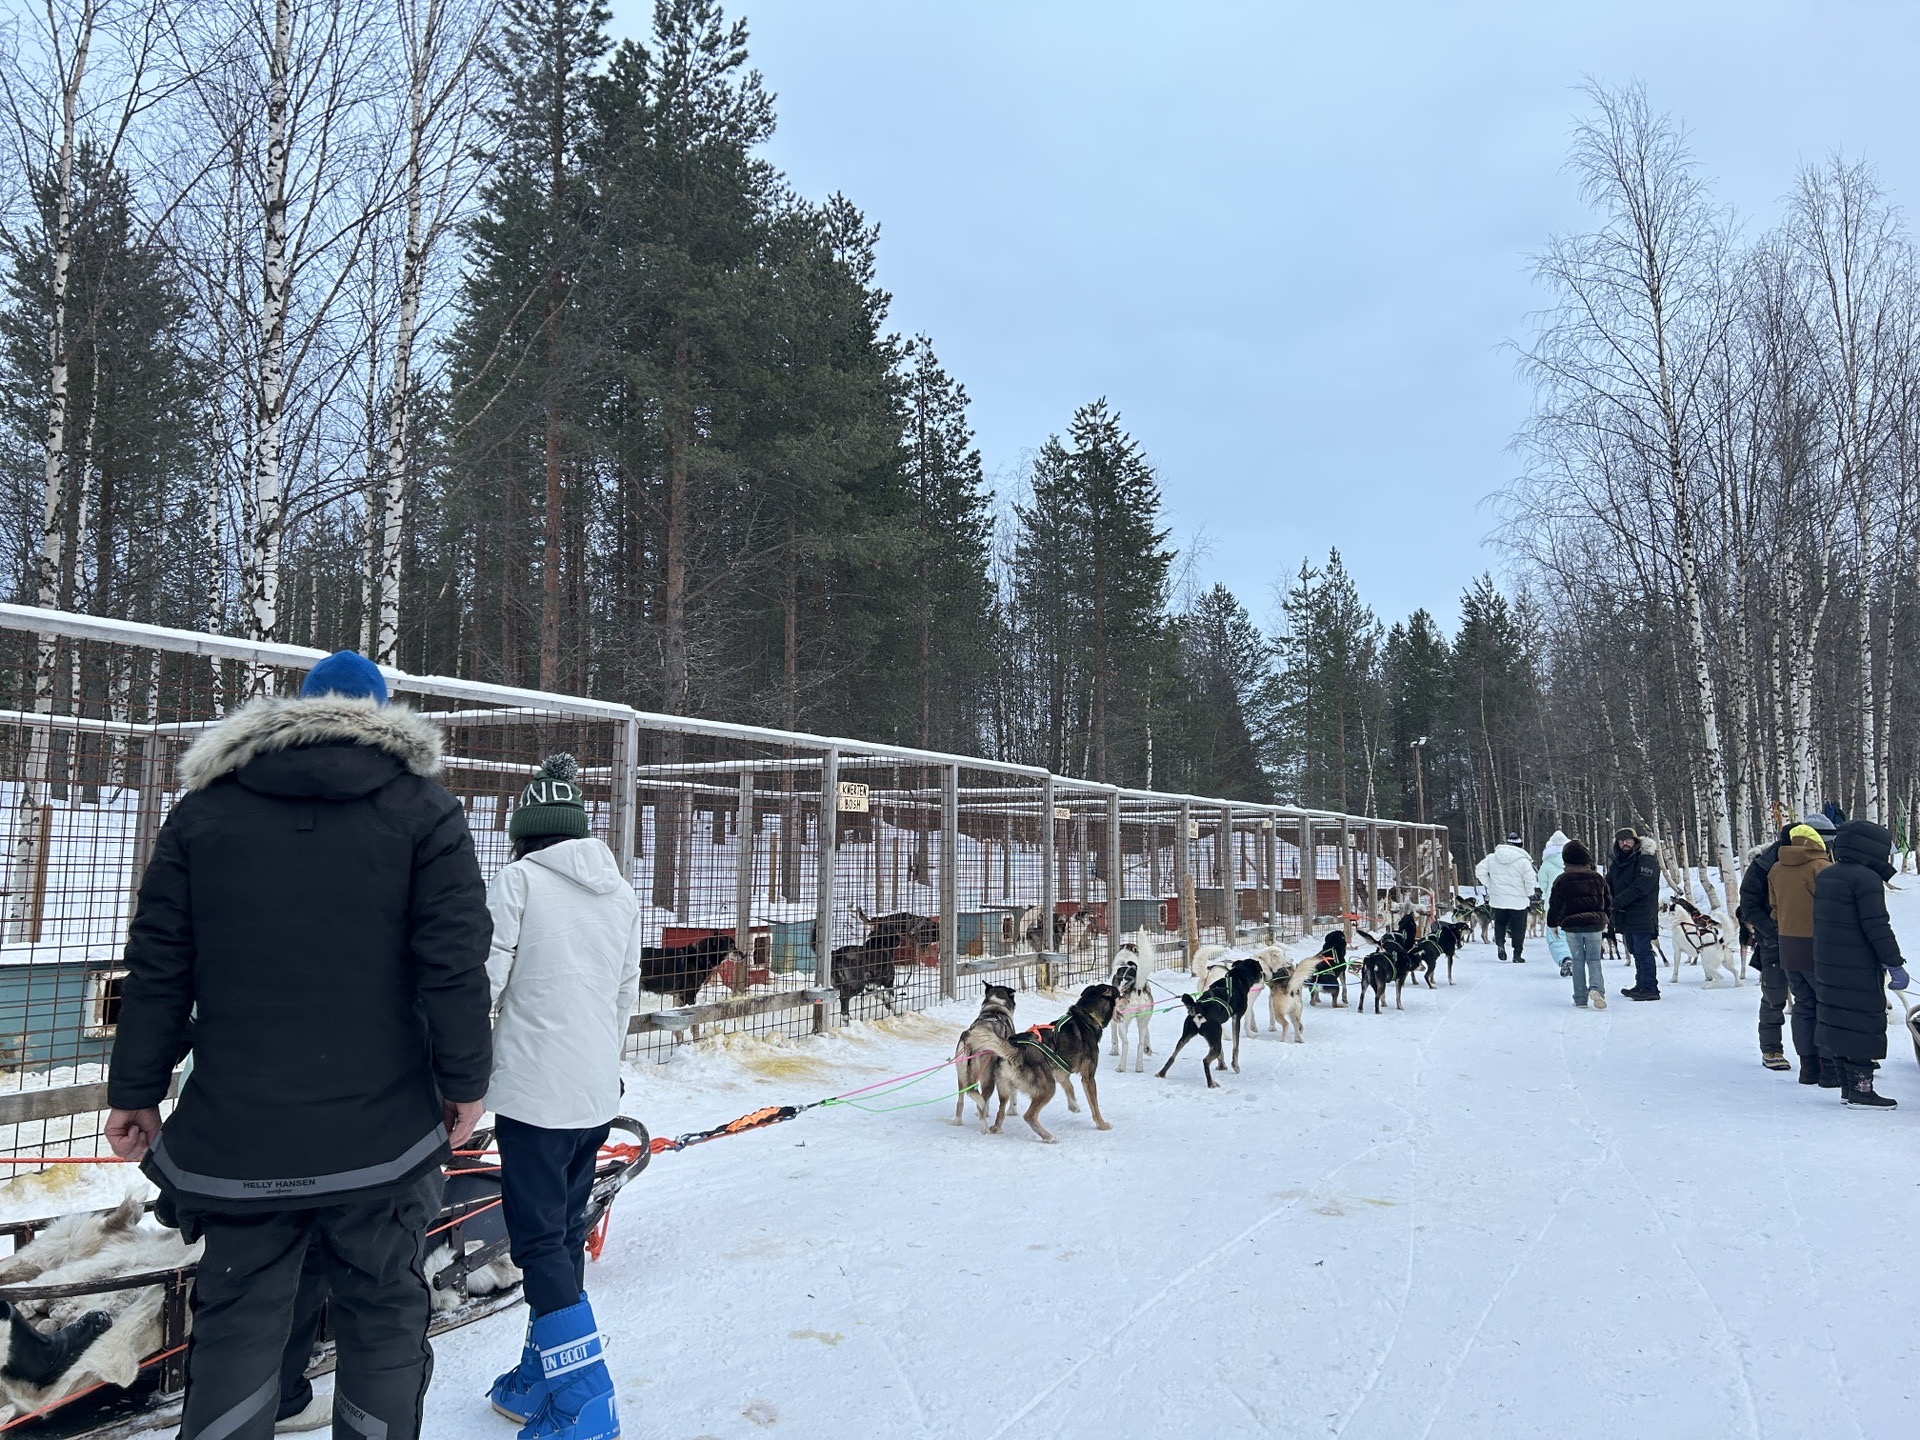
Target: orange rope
[{"x": 53, "y": 1405}]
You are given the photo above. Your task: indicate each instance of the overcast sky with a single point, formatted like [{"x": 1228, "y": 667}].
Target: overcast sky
[{"x": 1287, "y": 240}]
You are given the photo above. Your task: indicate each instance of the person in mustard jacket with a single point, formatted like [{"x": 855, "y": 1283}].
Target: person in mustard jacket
[{"x": 1790, "y": 894}]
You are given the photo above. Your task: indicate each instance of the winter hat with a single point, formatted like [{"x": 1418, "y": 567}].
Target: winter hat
[
  {"x": 1807, "y": 835},
  {"x": 1625, "y": 832},
  {"x": 1576, "y": 854},
  {"x": 1817, "y": 822},
  {"x": 348, "y": 673},
  {"x": 551, "y": 804},
  {"x": 1513, "y": 837}
]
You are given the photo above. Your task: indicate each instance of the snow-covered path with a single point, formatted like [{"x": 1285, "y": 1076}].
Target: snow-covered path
[{"x": 1490, "y": 1215}]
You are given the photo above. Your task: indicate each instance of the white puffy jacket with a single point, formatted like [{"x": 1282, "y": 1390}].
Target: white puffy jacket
[
  {"x": 1508, "y": 877},
  {"x": 565, "y": 970}
]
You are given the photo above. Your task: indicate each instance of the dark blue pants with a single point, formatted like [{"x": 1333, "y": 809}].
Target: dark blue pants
[
  {"x": 1646, "y": 969},
  {"x": 546, "y": 1178}
]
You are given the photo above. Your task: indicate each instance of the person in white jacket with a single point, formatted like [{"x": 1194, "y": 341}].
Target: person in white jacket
[
  {"x": 1553, "y": 865},
  {"x": 565, "y": 972},
  {"x": 1507, "y": 877}
]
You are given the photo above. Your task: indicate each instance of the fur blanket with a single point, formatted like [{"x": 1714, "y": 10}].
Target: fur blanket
[{"x": 88, "y": 1247}]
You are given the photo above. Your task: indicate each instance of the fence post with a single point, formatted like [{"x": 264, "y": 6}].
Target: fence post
[
  {"x": 1116, "y": 880},
  {"x": 1309, "y": 876},
  {"x": 1346, "y": 877},
  {"x": 1270, "y": 857},
  {"x": 949, "y": 880},
  {"x": 743, "y": 880},
  {"x": 1183, "y": 882},
  {"x": 1226, "y": 870},
  {"x": 823, "y": 866},
  {"x": 1374, "y": 912},
  {"x": 146, "y": 818},
  {"x": 623, "y": 811},
  {"x": 1048, "y": 877}
]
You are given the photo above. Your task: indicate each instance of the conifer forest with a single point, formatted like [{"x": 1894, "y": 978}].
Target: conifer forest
[{"x": 468, "y": 334}]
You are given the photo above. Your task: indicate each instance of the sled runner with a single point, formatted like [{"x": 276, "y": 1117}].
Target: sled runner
[{"x": 470, "y": 1275}]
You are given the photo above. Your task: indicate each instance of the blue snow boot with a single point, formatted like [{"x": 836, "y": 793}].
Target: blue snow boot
[
  {"x": 518, "y": 1393},
  {"x": 578, "y": 1404}
]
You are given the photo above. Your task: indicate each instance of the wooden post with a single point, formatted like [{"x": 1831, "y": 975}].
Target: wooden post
[
  {"x": 949, "y": 881},
  {"x": 1374, "y": 900},
  {"x": 1183, "y": 874},
  {"x": 1346, "y": 877},
  {"x": 1116, "y": 880},
  {"x": 1309, "y": 877},
  {"x": 743, "y": 878},
  {"x": 823, "y": 1014},
  {"x": 1227, "y": 873}
]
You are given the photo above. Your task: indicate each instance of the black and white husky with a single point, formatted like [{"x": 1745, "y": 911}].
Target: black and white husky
[{"x": 1135, "y": 1011}]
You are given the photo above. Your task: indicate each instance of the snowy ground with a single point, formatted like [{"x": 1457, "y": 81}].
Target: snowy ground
[{"x": 1491, "y": 1215}]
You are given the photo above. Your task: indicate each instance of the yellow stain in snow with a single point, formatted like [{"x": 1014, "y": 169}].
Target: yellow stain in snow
[{"x": 824, "y": 1337}]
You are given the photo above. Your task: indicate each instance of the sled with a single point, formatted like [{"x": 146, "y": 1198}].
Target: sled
[
  {"x": 1912, "y": 1021},
  {"x": 470, "y": 1224}
]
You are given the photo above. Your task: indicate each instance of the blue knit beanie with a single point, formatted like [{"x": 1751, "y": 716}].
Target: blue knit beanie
[{"x": 348, "y": 673}]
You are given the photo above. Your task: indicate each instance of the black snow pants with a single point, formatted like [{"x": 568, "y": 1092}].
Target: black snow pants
[
  {"x": 244, "y": 1296},
  {"x": 1510, "y": 923},
  {"x": 546, "y": 1179},
  {"x": 1773, "y": 1003},
  {"x": 1806, "y": 1014}
]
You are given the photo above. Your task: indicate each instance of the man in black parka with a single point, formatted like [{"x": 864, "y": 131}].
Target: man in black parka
[
  {"x": 1633, "y": 875},
  {"x": 1854, "y": 954},
  {"x": 312, "y": 926}
]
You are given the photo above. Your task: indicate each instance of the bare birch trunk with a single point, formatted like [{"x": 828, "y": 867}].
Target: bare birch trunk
[
  {"x": 260, "y": 579},
  {"x": 29, "y": 821}
]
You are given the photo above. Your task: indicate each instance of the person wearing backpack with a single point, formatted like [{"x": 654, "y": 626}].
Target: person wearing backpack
[{"x": 565, "y": 975}]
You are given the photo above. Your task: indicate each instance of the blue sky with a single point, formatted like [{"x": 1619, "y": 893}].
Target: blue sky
[{"x": 1286, "y": 240}]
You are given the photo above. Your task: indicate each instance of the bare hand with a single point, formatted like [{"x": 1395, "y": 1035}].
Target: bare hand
[
  {"x": 131, "y": 1133},
  {"x": 461, "y": 1117}
]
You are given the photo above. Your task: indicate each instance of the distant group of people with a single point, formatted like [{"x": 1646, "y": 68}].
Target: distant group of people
[
  {"x": 1813, "y": 903},
  {"x": 1582, "y": 906},
  {"x": 313, "y": 929}
]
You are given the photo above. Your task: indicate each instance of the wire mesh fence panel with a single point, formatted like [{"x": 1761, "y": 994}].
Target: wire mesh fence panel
[
  {"x": 1002, "y": 832},
  {"x": 728, "y": 841}
]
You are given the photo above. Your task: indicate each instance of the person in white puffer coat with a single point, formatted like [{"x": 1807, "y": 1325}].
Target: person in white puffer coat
[
  {"x": 1552, "y": 866},
  {"x": 565, "y": 972},
  {"x": 1508, "y": 879}
]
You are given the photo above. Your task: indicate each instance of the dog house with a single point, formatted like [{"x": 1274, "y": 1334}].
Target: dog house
[
  {"x": 1136, "y": 913},
  {"x": 57, "y": 1012},
  {"x": 759, "y": 950},
  {"x": 791, "y": 946}
]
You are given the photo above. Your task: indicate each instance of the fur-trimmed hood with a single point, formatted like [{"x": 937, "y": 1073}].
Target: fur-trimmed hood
[{"x": 265, "y": 726}]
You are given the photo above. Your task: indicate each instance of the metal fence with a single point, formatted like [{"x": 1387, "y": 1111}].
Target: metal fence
[{"x": 786, "y": 851}]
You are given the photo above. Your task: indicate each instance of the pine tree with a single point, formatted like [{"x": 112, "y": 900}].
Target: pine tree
[
  {"x": 952, "y": 595},
  {"x": 1226, "y": 694},
  {"x": 520, "y": 355}
]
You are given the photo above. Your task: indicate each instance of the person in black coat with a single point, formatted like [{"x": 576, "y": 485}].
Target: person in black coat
[
  {"x": 1756, "y": 913},
  {"x": 1633, "y": 875},
  {"x": 312, "y": 925},
  {"x": 1855, "y": 953}
]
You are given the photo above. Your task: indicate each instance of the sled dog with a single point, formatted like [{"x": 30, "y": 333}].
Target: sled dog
[
  {"x": 973, "y": 1063},
  {"x": 1036, "y": 1062}
]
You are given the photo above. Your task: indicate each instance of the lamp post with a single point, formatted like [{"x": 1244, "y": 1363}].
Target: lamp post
[{"x": 1419, "y": 778}]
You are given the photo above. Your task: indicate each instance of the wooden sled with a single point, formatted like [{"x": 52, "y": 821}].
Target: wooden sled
[{"x": 470, "y": 1224}]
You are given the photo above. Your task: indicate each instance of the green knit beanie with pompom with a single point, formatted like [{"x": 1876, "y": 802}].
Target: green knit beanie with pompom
[{"x": 552, "y": 803}]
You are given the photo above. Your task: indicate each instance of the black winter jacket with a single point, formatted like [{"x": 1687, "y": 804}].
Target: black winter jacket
[
  {"x": 1634, "y": 879},
  {"x": 313, "y": 926},
  {"x": 1756, "y": 908},
  {"x": 1853, "y": 944},
  {"x": 1580, "y": 900}
]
